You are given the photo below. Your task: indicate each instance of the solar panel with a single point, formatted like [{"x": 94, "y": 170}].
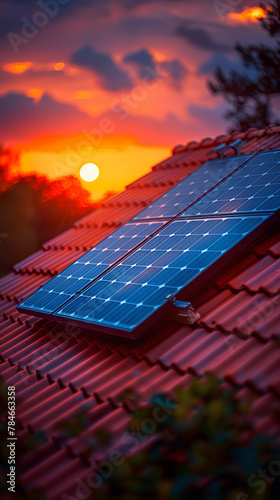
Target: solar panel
[
  {"x": 191, "y": 188},
  {"x": 138, "y": 286},
  {"x": 253, "y": 188},
  {"x": 124, "y": 282},
  {"x": 90, "y": 265}
]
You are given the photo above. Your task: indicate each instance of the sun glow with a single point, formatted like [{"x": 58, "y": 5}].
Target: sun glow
[
  {"x": 89, "y": 172},
  {"x": 35, "y": 93},
  {"x": 18, "y": 67},
  {"x": 249, "y": 14},
  {"x": 21, "y": 67},
  {"x": 84, "y": 94},
  {"x": 59, "y": 66}
]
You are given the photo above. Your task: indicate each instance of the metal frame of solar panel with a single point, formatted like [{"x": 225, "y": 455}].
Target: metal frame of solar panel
[
  {"x": 253, "y": 188},
  {"x": 131, "y": 293},
  {"x": 192, "y": 188},
  {"x": 53, "y": 294}
]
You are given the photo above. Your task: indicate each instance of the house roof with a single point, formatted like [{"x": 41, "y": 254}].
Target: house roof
[{"x": 56, "y": 373}]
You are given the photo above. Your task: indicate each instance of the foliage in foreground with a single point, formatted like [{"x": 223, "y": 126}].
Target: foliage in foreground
[
  {"x": 205, "y": 448},
  {"x": 199, "y": 444}
]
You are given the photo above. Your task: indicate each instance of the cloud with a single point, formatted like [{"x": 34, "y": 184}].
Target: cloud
[
  {"x": 129, "y": 4},
  {"x": 210, "y": 118},
  {"x": 170, "y": 129},
  {"x": 24, "y": 119},
  {"x": 141, "y": 59},
  {"x": 13, "y": 10},
  {"x": 174, "y": 70},
  {"x": 224, "y": 62},
  {"x": 200, "y": 38},
  {"x": 111, "y": 77},
  {"x": 15, "y": 13},
  {"x": 227, "y": 65}
]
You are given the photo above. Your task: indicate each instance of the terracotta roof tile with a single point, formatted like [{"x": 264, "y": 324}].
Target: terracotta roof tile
[
  {"x": 161, "y": 348},
  {"x": 267, "y": 280},
  {"x": 262, "y": 276},
  {"x": 106, "y": 368},
  {"x": 220, "y": 139},
  {"x": 265, "y": 246},
  {"x": 253, "y": 363},
  {"x": 62, "y": 404},
  {"x": 246, "y": 313},
  {"x": 167, "y": 177},
  {"x": 49, "y": 264},
  {"x": 80, "y": 238},
  {"x": 16, "y": 287},
  {"x": 275, "y": 249},
  {"x": 108, "y": 217}
]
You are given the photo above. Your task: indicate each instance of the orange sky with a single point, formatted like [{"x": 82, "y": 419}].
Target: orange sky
[
  {"x": 121, "y": 159},
  {"x": 114, "y": 84}
]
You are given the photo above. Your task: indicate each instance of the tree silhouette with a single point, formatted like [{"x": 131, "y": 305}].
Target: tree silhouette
[
  {"x": 250, "y": 94},
  {"x": 34, "y": 209}
]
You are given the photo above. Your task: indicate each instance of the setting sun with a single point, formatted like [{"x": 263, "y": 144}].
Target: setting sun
[{"x": 89, "y": 172}]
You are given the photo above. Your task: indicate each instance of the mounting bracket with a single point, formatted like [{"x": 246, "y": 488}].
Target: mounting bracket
[
  {"x": 224, "y": 148},
  {"x": 183, "y": 312}
]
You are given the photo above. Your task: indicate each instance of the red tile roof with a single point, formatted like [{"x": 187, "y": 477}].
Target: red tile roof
[{"x": 56, "y": 374}]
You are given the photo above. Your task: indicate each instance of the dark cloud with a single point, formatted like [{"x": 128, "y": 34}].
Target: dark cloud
[
  {"x": 23, "y": 118},
  {"x": 110, "y": 75},
  {"x": 175, "y": 72},
  {"x": 141, "y": 60},
  {"x": 129, "y": 4},
  {"x": 200, "y": 38},
  {"x": 13, "y": 11},
  {"x": 16, "y": 14}
]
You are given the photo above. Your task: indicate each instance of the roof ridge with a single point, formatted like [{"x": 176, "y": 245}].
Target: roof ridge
[{"x": 235, "y": 134}]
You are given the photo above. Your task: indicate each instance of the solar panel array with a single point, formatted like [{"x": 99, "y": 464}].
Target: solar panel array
[
  {"x": 191, "y": 188},
  {"x": 79, "y": 274},
  {"x": 127, "y": 277},
  {"x": 253, "y": 188},
  {"x": 139, "y": 285}
]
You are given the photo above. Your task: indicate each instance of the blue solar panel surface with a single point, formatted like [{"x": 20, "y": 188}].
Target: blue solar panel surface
[
  {"x": 79, "y": 274},
  {"x": 192, "y": 187},
  {"x": 138, "y": 286},
  {"x": 253, "y": 188}
]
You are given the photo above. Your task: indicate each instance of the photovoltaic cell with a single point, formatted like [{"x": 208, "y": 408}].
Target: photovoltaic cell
[
  {"x": 191, "y": 188},
  {"x": 253, "y": 188},
  {"x": 90, "y": 265},
  {"x": 137, "y": 287}
]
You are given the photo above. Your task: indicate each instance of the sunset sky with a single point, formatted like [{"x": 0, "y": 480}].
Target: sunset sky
[{"x": 117, "y": 83}]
